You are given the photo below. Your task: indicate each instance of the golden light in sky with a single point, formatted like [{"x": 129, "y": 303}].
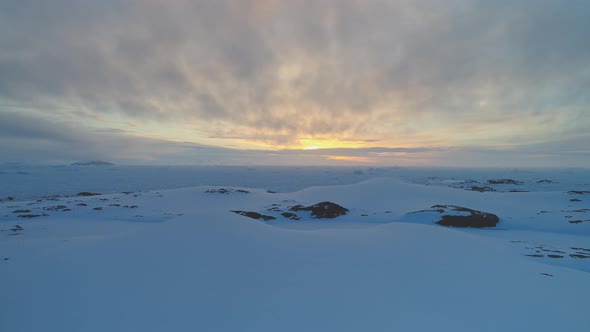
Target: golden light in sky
[
  {"x": 314, "y": 144},
  {"x": 352, "y": 158}
]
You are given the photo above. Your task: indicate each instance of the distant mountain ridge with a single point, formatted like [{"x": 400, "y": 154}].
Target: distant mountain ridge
[{"x": 92, "y": 163}]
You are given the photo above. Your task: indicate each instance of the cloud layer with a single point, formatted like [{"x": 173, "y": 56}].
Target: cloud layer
[{"x": 269, "y": 73}]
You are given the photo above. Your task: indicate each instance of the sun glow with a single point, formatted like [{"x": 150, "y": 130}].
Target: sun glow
[
  {"x": 352, "y": 158},
  {"x": 315, "y": 144},
  {"x": 311, "y": 147}
]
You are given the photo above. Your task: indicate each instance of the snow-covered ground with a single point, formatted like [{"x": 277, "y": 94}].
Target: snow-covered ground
[
  {"x": 32, "y": 182},
  {"x": 161, "y": 259}
]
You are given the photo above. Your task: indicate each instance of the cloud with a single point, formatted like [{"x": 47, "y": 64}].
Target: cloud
[
  {"x": 397, "y": 73},
  {"x": 24, "y": 139}
]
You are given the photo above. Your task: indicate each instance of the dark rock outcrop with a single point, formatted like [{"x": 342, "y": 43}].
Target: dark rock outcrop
[
  {"x": 254, "y": 215},
  {"x": 479, "y": 188},
  {"x": 55, "y": 208},
  {"x": 579, "y": 192},
  {"x": 225, "y": 191},
  {"x": 290, "y": 215},
  {"x": 86, "y": 193},
  {"x": 544, "y": 181},
  {"x": 578, "y": 221},
  {"x": 471, "y": 218},
  {"x": 579, "y": 256},
  {"x": 504, "y": 181},
  {"x": 322, "y": 210},
  {"x": 580, "y": 248},
  {"x": 92, "y": 163}
]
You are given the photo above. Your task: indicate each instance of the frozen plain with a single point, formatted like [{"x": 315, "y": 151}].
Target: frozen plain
[{"x": 168, "y": 256}]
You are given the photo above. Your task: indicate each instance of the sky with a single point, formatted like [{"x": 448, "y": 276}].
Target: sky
[{"x": 296, "y": 82}]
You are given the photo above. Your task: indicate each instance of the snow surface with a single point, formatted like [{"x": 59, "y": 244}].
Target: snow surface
[
  {"x": 32, "y": 182},
  {"x": 179, "y": 260}
]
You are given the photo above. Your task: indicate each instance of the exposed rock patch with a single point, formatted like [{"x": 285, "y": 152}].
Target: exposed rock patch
[
  {"x": 555, "y": 256},
  {"x": 254, "y": 215},
  {"x": 458, "y": 216},
  {"x": 475, "y": 220},
  {"x": 87, "y": 193},
  {"x": 54, "y": 198},
  {"x": 578, "y": 255},
  {"x": 578, "y": 221},
  {"x": 479, "y": 188},
  {"x": 29, "y": 216},
  {"x": 322, "y": 210},
  {"x": 540, "y": 250},
  {"x": 17, "y": 228},
  {"x": 55, "y": 208},
  {"x": 581, "y": 249},
  {"x": 226, "y": 191},
  {"x": 290, "y": 215},
  {"x": 504, "y": 181},
  {"x": 92, "y": 163}
]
